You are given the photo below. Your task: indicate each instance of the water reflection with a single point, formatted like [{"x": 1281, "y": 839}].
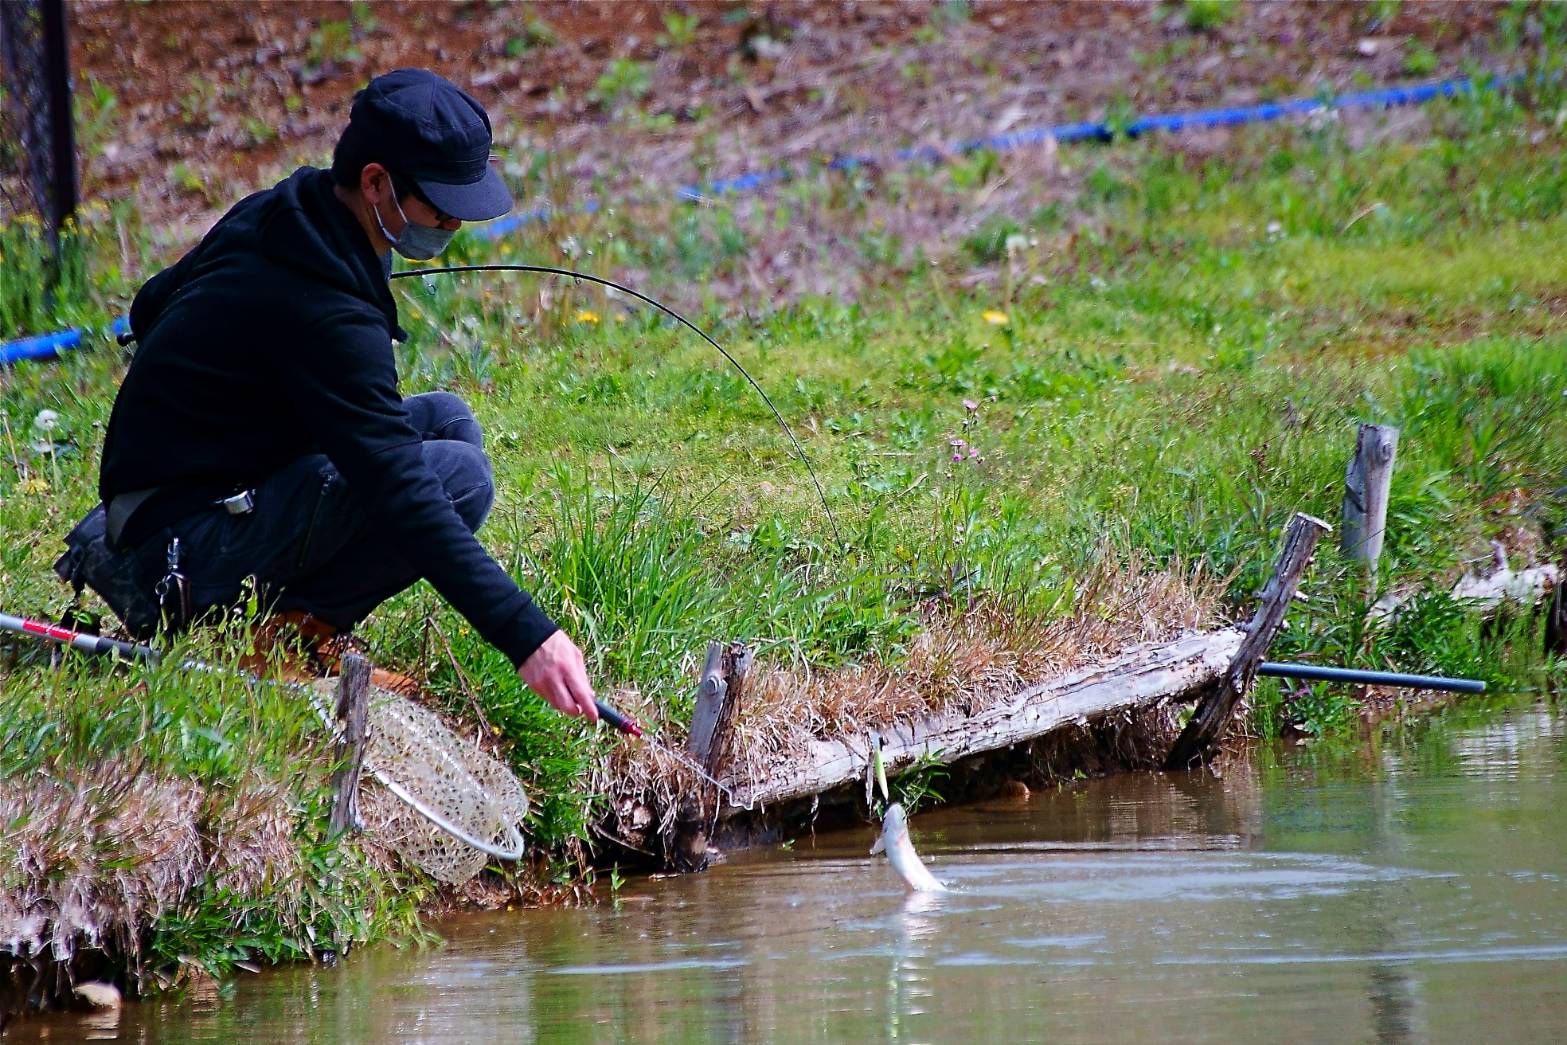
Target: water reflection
[{"x": 1412, "y": 888}]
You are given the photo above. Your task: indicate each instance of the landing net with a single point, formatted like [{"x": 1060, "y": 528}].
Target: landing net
[{"x": 443, "y": 804}]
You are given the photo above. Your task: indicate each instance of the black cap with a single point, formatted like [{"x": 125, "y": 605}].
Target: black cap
[{"x": 426, "y": 128}]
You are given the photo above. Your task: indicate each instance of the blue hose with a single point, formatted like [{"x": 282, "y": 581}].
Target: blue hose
[{"x": 49, "y": 346}]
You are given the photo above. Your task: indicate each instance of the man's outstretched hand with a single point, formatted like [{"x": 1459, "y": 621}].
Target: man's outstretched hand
[{"x": 556, "y": 672}]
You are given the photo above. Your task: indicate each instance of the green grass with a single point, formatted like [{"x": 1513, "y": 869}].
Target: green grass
[
  {"x": 274, "y": 885},
  {"x": 1185, "y": 353},
  {"x": 1181, "y": 382}
]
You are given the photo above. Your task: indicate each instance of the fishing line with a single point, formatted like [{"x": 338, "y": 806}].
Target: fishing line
[{"x": 821, "y": 495}]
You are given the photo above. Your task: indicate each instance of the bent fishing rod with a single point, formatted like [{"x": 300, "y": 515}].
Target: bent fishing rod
[
  {"x": 102, "y": 645},
  {"x": 821, "y": 495},
  {"x": 553, "y": 270}
]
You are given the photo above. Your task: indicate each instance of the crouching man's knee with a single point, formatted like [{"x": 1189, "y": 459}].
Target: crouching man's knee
[
  {"x": 443, "y": 415},
  {"x": 465, "y": 473}
]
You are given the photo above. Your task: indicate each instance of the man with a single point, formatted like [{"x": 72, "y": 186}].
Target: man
[{"x": 260, "y": 433}]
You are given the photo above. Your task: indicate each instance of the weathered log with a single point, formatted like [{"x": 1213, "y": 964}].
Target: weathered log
[
  {"x": 1139, "y": 676},
  {"x": 1502, "y": 584},
  {"x": 1217, "y": 708},
  {"x": 723, "y": 687},
  {"x": 1366, "y": 483},
  {"x": 353, "y": 705}
]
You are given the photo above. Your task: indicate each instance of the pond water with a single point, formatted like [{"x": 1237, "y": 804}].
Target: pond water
[{"x": 1410, "y": 888}]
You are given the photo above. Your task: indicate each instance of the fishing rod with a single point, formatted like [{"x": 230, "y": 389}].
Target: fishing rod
[
  {"x": 553, "y": 270},
  {"x": 99, "y": 645},
  {"x": 126, "y": 337}
]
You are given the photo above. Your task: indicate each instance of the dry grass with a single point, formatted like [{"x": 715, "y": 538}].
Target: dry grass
[{"x": 95, "y": 857}]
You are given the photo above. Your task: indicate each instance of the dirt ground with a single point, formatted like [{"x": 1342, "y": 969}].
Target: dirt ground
[{"x": 185, "y": 105}]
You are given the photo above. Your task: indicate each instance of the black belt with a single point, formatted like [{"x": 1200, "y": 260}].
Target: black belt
[{"x": 121, "y": 507}]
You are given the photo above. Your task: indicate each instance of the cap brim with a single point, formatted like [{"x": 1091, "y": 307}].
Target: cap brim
[{"x": 484, "y": 199}]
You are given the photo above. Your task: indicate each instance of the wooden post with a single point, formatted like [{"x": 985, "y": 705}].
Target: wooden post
[
  {"x": 353, "y": 705},
  {"x": 1217, "y": 708},
  {"x": 1366, "y": 484},
  {"x": 710, "y": 701},
  {"x": 1556, "y": 617},
  {"x": 712, "y": 723}
]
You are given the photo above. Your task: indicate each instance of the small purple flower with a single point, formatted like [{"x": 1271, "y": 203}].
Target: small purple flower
[
  {"x": 957, "y": 457},
  {"x": 973, "y": 452},
  {"x": 956, "y": 443},
  {"x": 970, "y": 405}
]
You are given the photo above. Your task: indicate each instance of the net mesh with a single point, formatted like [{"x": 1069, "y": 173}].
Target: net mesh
[{"x": 410, "y": 745}]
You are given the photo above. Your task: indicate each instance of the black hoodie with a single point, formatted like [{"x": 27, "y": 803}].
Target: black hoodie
[{"x": 271, "y": 340}]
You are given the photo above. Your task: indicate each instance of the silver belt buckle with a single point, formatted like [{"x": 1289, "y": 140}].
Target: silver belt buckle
[{"x": 242, "y": 503}]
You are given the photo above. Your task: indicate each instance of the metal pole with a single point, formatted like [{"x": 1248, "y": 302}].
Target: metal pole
[
  {"x": 93, "y": 644},
  {"x": 1318, "y": 673}
]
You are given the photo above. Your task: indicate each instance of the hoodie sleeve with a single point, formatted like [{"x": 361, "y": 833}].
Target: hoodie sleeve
[{"x": 345, "y": 383}]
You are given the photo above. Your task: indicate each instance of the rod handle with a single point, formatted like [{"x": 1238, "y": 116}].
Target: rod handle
[{"x": 624, "y": 723}]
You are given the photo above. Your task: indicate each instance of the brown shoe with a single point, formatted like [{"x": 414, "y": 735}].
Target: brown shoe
[
  {"x": 296, "y": 646},
  {"x": 329, "y": 656},
  {"x": 288, "y": 645}
]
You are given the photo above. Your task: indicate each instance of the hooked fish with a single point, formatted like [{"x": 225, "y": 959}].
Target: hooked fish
[{"x": 894, "y": 841}]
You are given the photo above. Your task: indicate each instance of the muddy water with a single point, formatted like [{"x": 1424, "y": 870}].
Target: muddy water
[{"x": 1412, "y": 889}]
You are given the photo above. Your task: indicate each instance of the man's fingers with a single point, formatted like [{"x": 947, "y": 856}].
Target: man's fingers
[
  {"x": 569, "y": 692},
  {"x": 562, "y": 700},
  {"x": 558, "y": 673},
  {"x": 583, "y": 691}
]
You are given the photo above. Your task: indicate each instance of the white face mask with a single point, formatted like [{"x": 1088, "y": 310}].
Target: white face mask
[{"x": 416, "y": 242}]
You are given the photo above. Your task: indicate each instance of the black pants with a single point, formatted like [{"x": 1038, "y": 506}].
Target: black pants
[{"x": 314, "y": 545}]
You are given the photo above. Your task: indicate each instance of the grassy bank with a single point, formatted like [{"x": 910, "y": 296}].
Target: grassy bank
[{"x": 1083, "y": 421}]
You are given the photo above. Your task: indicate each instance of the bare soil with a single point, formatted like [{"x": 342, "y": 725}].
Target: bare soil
[{"x": 211, "y": 99}]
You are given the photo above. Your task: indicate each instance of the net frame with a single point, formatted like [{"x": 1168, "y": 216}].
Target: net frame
[{"x": 455, "y": 805}]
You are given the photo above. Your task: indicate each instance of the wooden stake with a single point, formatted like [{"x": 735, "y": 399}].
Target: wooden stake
[
  {"x": 712, "y": 724},
  {"x": 1215, "y": 710},
  {"x": 1556, "y": 617},
  {"x": 710, "y": 700},
  {"x": 1366, "y": 484},
  {"x": 353, "y": 700}
]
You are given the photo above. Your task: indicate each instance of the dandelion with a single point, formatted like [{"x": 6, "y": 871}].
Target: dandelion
[
  {"x": 995, "y": 318},
  {"x": 970, "y": 405},
  {"x": 585, "y": 316},
  {"x": 46, "y": 422}
]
